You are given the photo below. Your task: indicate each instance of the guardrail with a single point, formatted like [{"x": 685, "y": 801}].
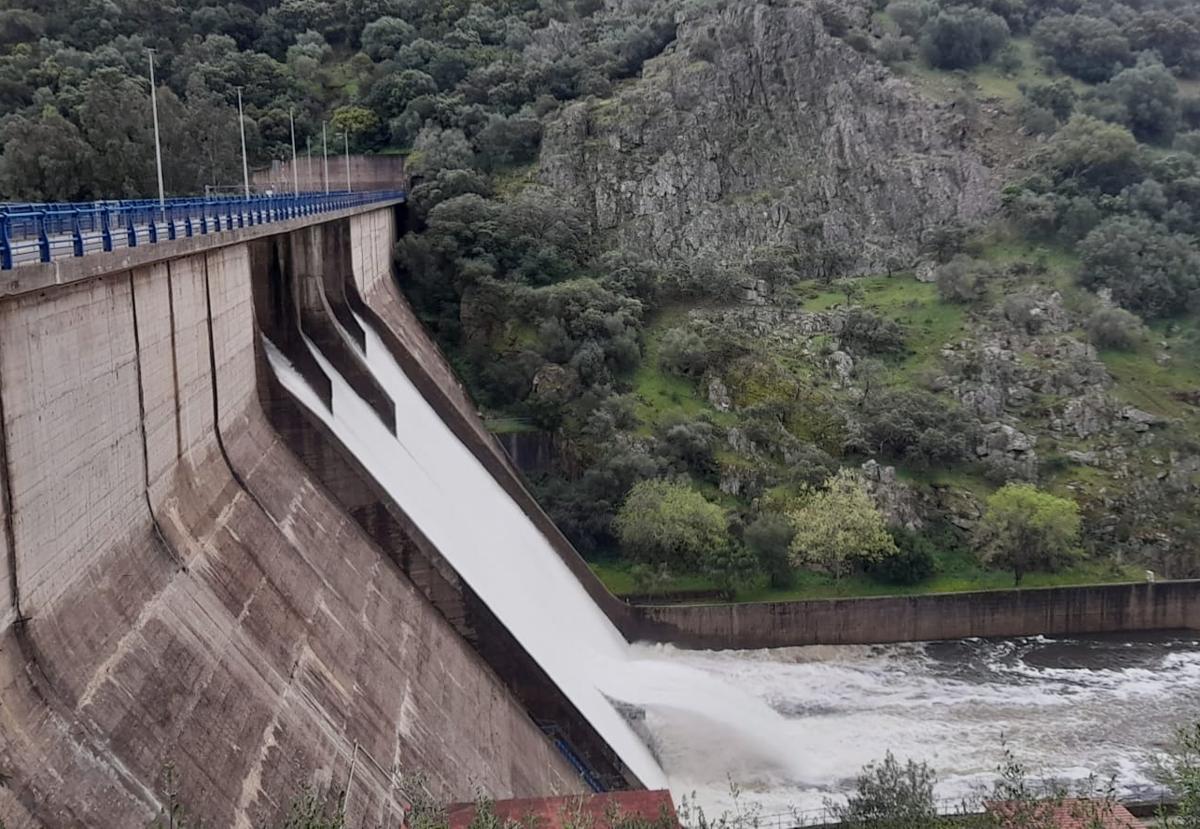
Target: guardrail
[{"x": 44, "y": 232}]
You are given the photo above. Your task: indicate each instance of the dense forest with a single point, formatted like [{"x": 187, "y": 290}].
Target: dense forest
[{"x": 1010, "y": 396}]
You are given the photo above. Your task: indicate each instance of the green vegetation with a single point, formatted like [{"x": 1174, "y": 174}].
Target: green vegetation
[
  {"x": 1024, "y": 529},
  {"x": 839, "y": 526}
]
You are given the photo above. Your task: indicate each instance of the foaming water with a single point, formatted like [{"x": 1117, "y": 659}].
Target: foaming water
[
  {"x": 791, "y": 726},
  {"x": 496, "y": 549},
  {"x": 1068, "y": 708}
]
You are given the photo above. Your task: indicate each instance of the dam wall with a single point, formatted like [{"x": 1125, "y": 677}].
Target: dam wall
[
  {"x": 181, "y": 593},
  {"x": 1049, "y": 611}
]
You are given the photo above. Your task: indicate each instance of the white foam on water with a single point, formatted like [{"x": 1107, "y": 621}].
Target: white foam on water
[{"x": 791, "y": 726}]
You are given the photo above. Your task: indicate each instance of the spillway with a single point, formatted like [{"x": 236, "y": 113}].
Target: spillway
[
  {"x": 497, "y": 550},
  {"x": 791, "y": 726}
]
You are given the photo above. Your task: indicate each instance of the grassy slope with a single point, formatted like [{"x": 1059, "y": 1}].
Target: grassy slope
[{"x": 957, "y": 572}]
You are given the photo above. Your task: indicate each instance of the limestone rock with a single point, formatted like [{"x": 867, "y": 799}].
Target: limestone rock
[{"x": 784, "y": 134}]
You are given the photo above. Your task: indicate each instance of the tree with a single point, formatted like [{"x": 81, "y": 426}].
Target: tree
[
  {"x": 1090, "y": 48},
  {"x": 662, "y": 522},
  {"x": 1024, "y": 529},
  {"x": 891, "y": 796},
  {"x": 769, "y": 538},
  {"x": 44, "y": 158},
  {"x": 960, "y": 38},
  {"x": 359, "y": 123},
  {"x": 382, "y": 38},
  {"x": 1144, "y": 98},
  {"x": 1148, "y": 269},
  {"x": 1097, "y": 154},
  {"x": 839, "y": 526}
]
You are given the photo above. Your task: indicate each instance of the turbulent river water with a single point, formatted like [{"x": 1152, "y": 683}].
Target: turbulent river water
[{"x": 1066, "y": 708}]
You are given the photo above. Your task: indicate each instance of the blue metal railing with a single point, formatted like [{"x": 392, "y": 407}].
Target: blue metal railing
[
  {"x": 44, "y": 232},
  {"x": 564, "y": 747}
]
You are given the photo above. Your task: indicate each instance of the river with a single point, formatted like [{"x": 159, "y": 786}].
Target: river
[{"x": 1066, "y": 707}]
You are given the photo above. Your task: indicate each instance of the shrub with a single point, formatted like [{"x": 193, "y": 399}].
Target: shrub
[
  {"x": 769, "y": 537},
  {"x": 913, "y": 563},
  {"x": 1114, "y": 328},
  {"x": 962, "y": 280},
  {"x": 961, "y": 38},
  {"x": 865, "y": 332},
  {"x": 683, "y": 352}
]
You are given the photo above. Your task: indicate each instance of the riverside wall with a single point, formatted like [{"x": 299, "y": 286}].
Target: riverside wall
[
  {"x": 180, "y": 592},
  {"x": 1052, "y": 611}
]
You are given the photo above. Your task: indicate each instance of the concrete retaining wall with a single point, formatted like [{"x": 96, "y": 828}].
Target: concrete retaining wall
[
  {"x": 188, "y": 595},
  {"x": 1049, "y": 611},
  {"x": 367, "y": 172}
]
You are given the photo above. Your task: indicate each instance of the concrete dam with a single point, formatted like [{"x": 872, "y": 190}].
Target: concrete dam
[
  {"x": 201, "y": 574},
  {"x": 255, "y": 534}
]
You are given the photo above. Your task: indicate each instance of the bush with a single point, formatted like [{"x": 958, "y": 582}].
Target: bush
[
  {"x": 865, "y": 332},
  {"x": 1114, "y": 328},
  {"x": 662, "y": 522},
  {"x": 911, "y": 565},
  {"x": 1087, "y": 47},
  {"x": 683, "y": 352},
  {"x": 962, "y": 38},
  {"x": 962, "y": 280},
  {"x": 769, "y": 538}
]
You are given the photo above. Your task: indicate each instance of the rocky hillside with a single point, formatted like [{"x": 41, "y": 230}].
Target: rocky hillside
[{"x": 759, "y": 130}]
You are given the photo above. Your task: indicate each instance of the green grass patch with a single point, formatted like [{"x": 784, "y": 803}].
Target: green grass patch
[
  {"x": 1158, "y": 388},
  {"x": 660, "y": 394},
  {"x": 929, "y": 323},
  {"x": 957, "y": 572},
  {"x": 986, "y": 81}
]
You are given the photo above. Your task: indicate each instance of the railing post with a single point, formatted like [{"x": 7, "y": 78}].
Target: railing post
[
  {"x": 6, "y": 254},
  {"x": 106, "y": 239},
  {"x": 76, "y": 234},
  {"x": 188, "y": 229},
  {"x": 43, "y": 238},
  {"x": 229, "y": 215},
  {"x": 152, "y": 226},
  {"x": 203, "y": 220},
  {"x": 170, "y": 216}
]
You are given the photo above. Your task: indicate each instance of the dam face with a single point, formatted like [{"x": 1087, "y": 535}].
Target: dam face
[{"x": 180, "y": 587}]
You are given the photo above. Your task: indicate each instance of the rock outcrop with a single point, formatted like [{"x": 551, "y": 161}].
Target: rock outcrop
[{"x": 758, "y": 130}]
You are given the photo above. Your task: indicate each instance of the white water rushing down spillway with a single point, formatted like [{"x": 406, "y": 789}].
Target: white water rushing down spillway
[{"x": 791, "y": 726}]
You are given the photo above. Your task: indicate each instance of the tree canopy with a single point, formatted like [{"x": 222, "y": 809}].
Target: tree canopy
[
  {"x": 839, "y": 526},
  {"x": 1025, "y": 529}
]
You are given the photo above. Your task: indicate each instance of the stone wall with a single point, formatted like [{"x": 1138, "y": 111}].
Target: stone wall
[
  {"x": 1118, "y": 608},
  {"x": 189, "y": 596}
]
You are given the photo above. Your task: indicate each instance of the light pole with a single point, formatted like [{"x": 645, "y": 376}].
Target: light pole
[
  {"x": 245, "y": 163},
  {"x": 346, "y": 136},
  {"x": 308, "y": 183},
  {"x": 157, "y": 143},
  {"x": 325, "y": 150},
  {"x": 295, "y": 164}
]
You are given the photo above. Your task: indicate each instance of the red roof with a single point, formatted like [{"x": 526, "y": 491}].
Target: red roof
[
  {"x": 1064, "y": 814},
  {"x": 549, "y": 812}
]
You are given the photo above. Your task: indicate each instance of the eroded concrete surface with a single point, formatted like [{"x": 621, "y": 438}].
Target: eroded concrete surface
[{"x": 188, "y": 595}]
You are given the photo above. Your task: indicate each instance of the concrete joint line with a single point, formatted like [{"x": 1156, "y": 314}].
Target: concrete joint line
[
  {"x": 170, "y": 550},
  {"x": 10, "y": 535}
]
